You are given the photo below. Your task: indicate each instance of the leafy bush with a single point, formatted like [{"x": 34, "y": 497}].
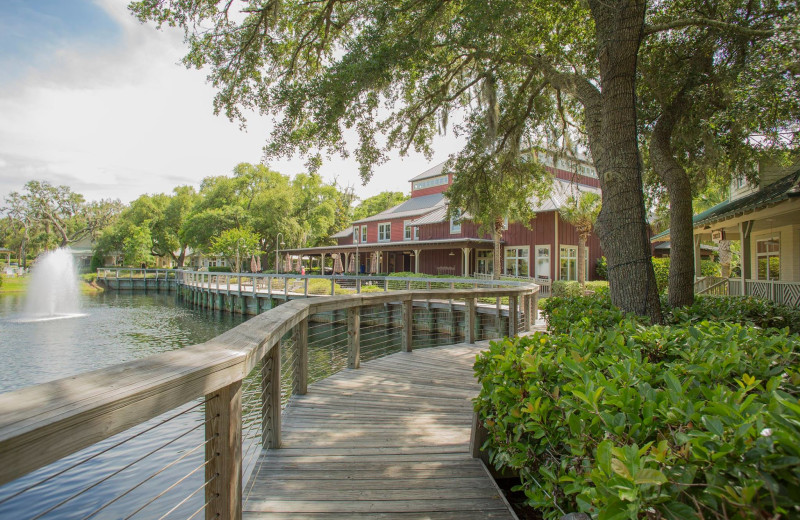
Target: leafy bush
[
  {"x": 562, "y": 289},
  {"x": 601, "y": 268},
  {"x": 219, "y": 269},
  {"x": 710, "y": 268},
  {"x": 734, "y": 309},
  {"x": 671, "y": 422},
  {"x": 585, "y": 313},
  {"x": 661, "y": 268},
  {"x": 1, "y": 280}
]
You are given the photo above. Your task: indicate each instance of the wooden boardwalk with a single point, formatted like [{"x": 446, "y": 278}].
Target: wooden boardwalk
[{"x": 389, "y": 440}]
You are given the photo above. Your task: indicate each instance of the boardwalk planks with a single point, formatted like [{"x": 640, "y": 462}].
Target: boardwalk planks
[{"x": 390, "y": 440}]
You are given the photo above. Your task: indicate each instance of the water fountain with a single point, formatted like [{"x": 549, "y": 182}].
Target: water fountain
[{"x": 53, "y": 291}]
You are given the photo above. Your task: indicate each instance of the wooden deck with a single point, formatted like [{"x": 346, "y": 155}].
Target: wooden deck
[{"x": 389, "y": 440}]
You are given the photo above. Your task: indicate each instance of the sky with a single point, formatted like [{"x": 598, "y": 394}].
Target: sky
[{"x": 93, "y": 99}]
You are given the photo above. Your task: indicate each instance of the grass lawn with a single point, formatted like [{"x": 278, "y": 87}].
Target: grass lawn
[
  {"x": 14, "y": 284},
  {"x": 19, "y": 284}
]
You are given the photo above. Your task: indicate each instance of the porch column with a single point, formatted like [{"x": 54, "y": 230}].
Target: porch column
[
  {"x": 745, "y": 259},
  {"x": 465, "y": 263},
  {"x": 417, "y": 252},
  {"x": 697, "y": 258},
  {"x": 322, "y": 263}
]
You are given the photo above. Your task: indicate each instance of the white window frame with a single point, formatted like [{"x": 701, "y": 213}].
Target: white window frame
[
  {"x": 549, "y": 260},
  {"x": 574, "y": 260},
  {"x": 440, "y": 180},
  {"x": 516, "y": 257},
  {"x": 455, "y": 223},
  {"x": 364, "y": 234},
  {"x": 486, "y": 256},
  {"x": 385, "y": 232},
  {"x": 408, "y": 234},
  {"x": 416, "y": 232},
  {"x": 768, "y": 255},
  {"x": 355, "y": 234}
]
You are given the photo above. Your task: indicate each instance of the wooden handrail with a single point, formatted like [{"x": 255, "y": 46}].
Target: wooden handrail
[{"x": 46, "y": 422}]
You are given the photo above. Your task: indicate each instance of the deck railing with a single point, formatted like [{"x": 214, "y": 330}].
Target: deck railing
[
  {"x": 784, "y": 293},
  {"x": 233, "y": 387}
]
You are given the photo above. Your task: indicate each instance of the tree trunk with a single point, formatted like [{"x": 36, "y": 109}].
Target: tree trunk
[
  {"x": 181, "y": 257},
  {"x": 582, "y": 260},
  {"x": 611, "y": 124},
  {"x": 497, "y": 234},
  {"x": 679, "y": 190}
]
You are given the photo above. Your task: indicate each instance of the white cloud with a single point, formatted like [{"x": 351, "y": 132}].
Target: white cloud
[{"x": 128, "y": 119}]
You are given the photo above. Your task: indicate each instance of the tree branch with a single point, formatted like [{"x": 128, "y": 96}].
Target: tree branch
[{"x": 707, "y": 22}]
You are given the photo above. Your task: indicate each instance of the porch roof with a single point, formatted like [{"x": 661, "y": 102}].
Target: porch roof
[
  {"x": 446, "y": 243},
  {"x": 776, "y": 192}
]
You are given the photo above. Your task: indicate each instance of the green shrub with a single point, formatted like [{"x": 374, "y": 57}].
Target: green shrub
[
  {"x": 563, "y": 289},
  {"x": 219, "y": 269},
  {"x": 320, "y": 286},
  {"x": 660, "y": 422},
  {"x": 586, "y": 313},
  {"x": 371, "y": 288},
  {"x": 661, "y": 268},
  {"x": 1, "y": 280},
  {"x": 735, "y": 309},
  {"x": 710, "y": 268},
  {"x": 601, "y": 268}
]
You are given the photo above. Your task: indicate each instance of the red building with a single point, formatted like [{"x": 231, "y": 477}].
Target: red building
[{"x": 417, "y": 236}]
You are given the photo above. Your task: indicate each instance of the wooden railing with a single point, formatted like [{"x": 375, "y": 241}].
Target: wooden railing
[
  {"x": 784, "y": 293},
  {"x": 48, "y": 422}
]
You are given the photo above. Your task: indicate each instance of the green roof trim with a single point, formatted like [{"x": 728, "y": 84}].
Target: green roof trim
[{"x": 776, "y": 192}]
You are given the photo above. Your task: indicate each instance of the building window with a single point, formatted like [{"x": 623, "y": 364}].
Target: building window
[
  {"x": 429, "y": 183},
  {"x": 355, "y": 234},
  {"x": 516, "y": 263},
  {"x": 407, "y": 230},
  {"x": 363, "y": 234},
  {"x": 485, "y": 262},
  {"x": 768, "y": 255},
  {"x": 416, "y": 232},
  {"x": 543, "y": 261},
  {"x": 384, "y": 232},
  {"x": 568, "y": 260},
  {"x": 455, "y": 222}
]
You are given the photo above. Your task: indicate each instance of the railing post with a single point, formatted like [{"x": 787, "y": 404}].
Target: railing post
[
  {"x": 534, "y": 308},
  {"x": 469, "y": 333},
  {"x": 498, "y": 319},
  {"x": 385, "y": 285},
  {"x": 333, "y": 287},
  {"x": 301, "y": 339},
  {"x": 354, "y": 337},
  {"x": 512, "y": 315},
  {"x": 223, "y": 470},
  {"x": 271, "y": 398},
  {"x": 526, "y": 310},
  {"x": 408, "y": 324},
  {"x": 305, "y": 287}
]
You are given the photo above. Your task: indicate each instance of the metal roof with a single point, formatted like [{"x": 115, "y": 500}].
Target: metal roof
[
  {"x": 413, "y": 207},
  {"x": 346, "y": 232},
  {"x": 434, "y": 171},
  {"x": 776, "y": 192}
]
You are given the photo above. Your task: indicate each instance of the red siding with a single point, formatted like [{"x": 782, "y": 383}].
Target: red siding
[
  {"x": 432, "y": 189},
  {"x": 430, "y": 261},
  {"x": 574, "y": 177}
]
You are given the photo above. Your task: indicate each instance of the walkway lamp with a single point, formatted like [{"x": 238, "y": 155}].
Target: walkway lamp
[{"x": 277, "y": 250}]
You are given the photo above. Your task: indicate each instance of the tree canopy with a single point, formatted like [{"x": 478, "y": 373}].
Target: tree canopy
[{"x": 521, "y": 72}]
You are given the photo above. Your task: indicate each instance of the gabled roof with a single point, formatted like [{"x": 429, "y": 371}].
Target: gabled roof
[
  {"x": 776, "y": 192},
  {"x": 413, "y": 207},
  {"x": 430, "y": 172},
  {"x": 346, "y": 232}
]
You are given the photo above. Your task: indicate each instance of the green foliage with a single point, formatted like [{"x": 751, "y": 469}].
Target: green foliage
[
  {"x": 96, "y": 262},
  {"x": 710, "y": 268},
  {"x": 565, "y": 289},
  {"x": 377, "y": 203},
  {"x": 219, "y": 269},
  {"x": 237, "y": 246},
  {"x": 590, "y": 312},
  {"x": 136, "y": 246},
  {"x": 745, "y": 310},
  {"x": 631, "y": 422},
  {"x": 661, "y": 268},
  {"x": 601, "y": 268}
]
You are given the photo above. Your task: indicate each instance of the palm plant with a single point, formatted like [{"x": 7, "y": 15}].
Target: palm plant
[{"x": 582, "y": 213}]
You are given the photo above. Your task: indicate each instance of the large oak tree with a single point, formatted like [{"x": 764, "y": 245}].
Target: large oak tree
[{"x": 392, "y": 71}]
